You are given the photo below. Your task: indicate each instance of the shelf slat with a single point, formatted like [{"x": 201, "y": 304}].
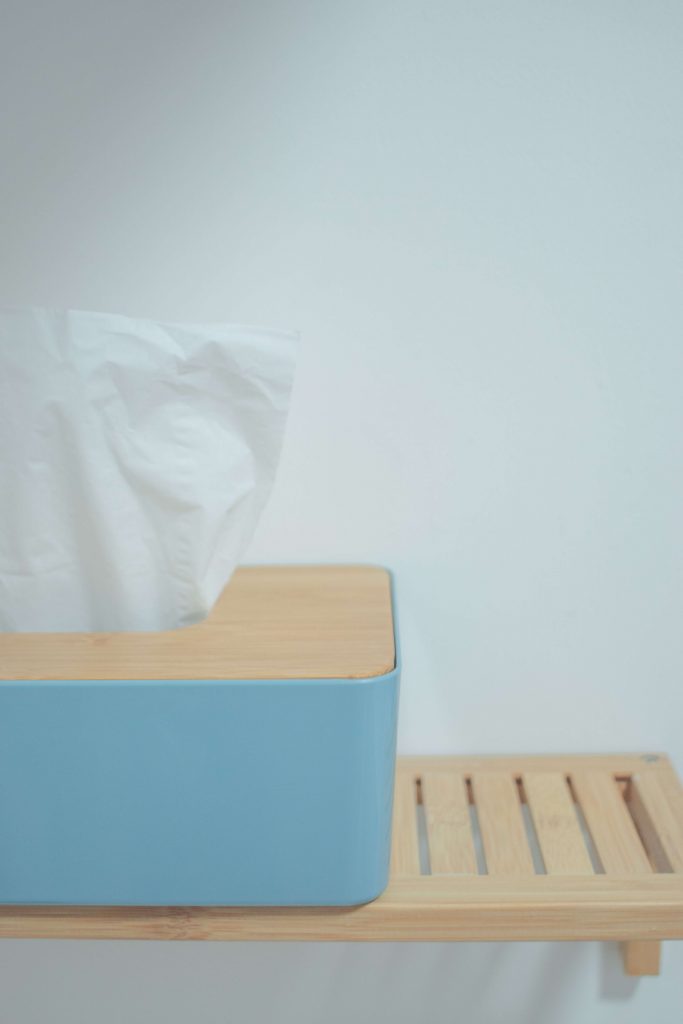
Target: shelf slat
[
  {"x": 611, "y": 826},
  {"x": 652, "y": 792},
  {"x": 447, "y": 814},
  {"x": 506, "y": 847},
  {"x": 405, "y": 854},
  {"x": 557, "y": 827}
]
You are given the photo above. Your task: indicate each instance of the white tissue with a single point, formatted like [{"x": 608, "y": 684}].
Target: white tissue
[{"x": 135, "y": 458}]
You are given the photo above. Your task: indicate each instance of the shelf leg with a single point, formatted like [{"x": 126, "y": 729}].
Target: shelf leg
[{"x": 641, "y": 958}]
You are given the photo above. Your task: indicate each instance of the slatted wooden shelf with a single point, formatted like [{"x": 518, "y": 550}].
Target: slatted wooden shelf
[{"x": 485, "y": 849}]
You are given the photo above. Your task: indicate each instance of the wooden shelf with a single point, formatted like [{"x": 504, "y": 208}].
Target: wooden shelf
[{"x": 485, "y": 849}]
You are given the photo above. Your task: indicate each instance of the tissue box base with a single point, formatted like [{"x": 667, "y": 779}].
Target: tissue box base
[{"x": 211, "y": 788}]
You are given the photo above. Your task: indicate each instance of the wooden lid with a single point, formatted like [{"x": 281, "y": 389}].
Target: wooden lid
[{"x": 271, "y": 622}]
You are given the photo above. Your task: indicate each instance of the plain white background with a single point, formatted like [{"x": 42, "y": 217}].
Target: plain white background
[{"x": 473, "y": 214}]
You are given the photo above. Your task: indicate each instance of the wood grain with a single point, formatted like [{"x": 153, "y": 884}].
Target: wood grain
[
  {"x": 271, "y": 622},
  {"x": 447, "y": 813},
  {"x": 506, "y": 847},
  {"x": 611, "y": 826},
  {"x": 405, "y": 854},
  {"x": 651, "y": 793},
  {"x": 641, "y": 958},
  {"x": 557, "y": 827},
  {"x": 647, "y": 831},
  {"x": 428, "y": 909},
  {"x": 660, "y": 826},
  {"x": 614, "y": 764}
]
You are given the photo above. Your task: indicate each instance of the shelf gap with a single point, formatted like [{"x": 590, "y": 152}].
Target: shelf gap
[
  {"x": 596, "y": 863},
  {"x": 422, "y": 833},
  {"x": 477, "y": 840},
  {"x": 530, "y": 828}
]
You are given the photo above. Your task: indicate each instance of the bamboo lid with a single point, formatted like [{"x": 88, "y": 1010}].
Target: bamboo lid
[{"x": 271, "y": 622}]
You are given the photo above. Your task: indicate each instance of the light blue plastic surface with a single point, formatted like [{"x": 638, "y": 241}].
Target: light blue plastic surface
[{"x": 197, "y": 792}]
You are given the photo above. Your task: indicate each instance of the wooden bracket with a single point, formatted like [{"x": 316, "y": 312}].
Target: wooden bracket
[{"x": 641, "y": 958}]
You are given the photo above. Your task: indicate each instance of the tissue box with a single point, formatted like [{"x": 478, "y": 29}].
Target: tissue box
[{"x": 247, "y": 760}]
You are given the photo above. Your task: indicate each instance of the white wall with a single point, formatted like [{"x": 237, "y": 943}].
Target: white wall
[{"x": 473, "y": 213}]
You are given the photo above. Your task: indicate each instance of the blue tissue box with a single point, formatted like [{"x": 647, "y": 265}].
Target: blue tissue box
[{"x": 247, "y": 760}]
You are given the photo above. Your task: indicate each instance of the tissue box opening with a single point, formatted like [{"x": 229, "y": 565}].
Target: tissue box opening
[{"x": 247, "y": 760}]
